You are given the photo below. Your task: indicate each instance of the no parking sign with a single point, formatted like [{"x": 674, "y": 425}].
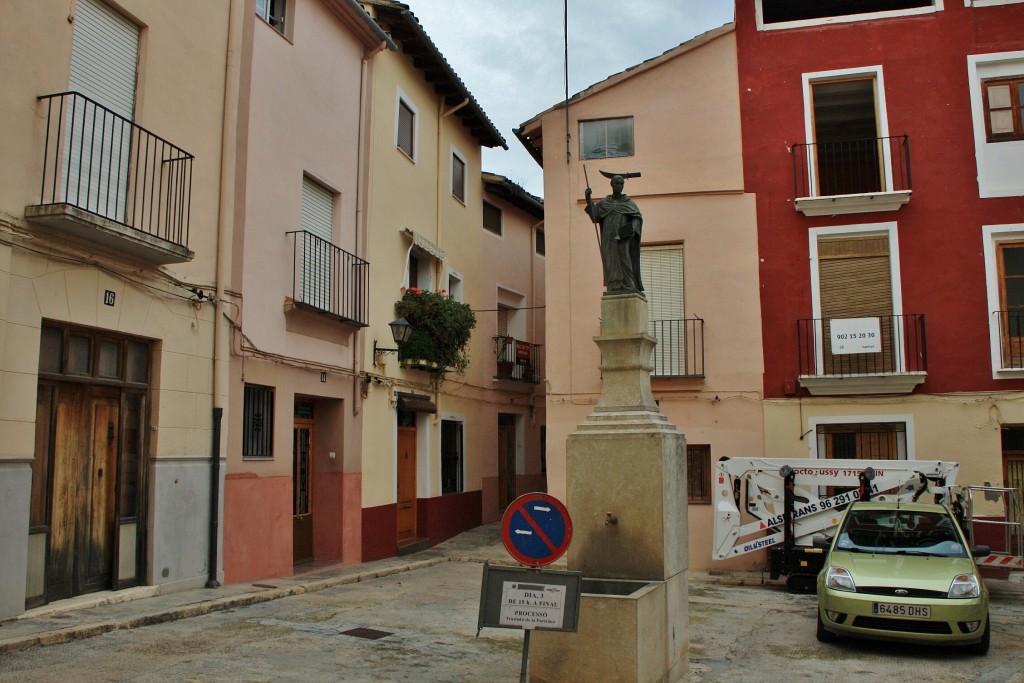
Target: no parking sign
[{"x": 536, "y": 529}]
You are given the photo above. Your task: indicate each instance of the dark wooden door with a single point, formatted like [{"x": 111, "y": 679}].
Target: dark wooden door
[
  {"x": 302, "y": 492},
  {"x": 83, "y": 528},
  {"x": 406, "y": 484}
]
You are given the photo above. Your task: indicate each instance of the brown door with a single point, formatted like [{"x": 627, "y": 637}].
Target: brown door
[
  {"x": 506, "y": 461},
  {"x": 302, "y": 492},
  {"x": 406, "y": 484},
  {"x": 82, "y": 534}
]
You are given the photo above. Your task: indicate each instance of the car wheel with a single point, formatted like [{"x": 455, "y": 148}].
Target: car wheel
[
  {"x": 981, "y": 647},
  {"x": 824, "y": 635}
]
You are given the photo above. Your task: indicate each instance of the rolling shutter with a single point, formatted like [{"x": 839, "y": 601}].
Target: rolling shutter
[
  {"x": 661, "y": 269},
  {"x": 105, "y": 57},
  {"x": 318, "y": 220}
]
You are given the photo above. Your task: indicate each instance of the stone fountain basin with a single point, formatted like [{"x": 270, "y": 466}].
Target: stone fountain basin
[{"x": 620, "y": 587}]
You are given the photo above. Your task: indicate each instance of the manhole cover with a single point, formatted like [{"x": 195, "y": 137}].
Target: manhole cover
[{"x": 368, "y": 633}]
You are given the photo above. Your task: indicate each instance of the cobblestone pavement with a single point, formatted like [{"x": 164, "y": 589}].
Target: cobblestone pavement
[{"x": 424, "y": 609}]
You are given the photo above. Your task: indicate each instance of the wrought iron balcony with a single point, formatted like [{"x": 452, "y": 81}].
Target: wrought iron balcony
[
  {"x": 680, "y": 348},
  {"x": 870, "y": 355},
  {"x": 852, "y": 176},
  {"x": 1011, "y": 339},
  {"x": 518, "y": 361},
  {"x": 110, "y": 181},
  {"x": 328, "y": 279}
]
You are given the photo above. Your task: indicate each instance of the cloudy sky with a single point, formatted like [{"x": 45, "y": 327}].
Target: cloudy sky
[{"x": 509, "y": 53}]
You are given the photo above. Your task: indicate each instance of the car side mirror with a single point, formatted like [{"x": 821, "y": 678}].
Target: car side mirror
[
  {"x": 822, "y": 542},
  {"x": 980, "y": 551}
]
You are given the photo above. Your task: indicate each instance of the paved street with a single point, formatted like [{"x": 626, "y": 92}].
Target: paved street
[{"x": 425, "y": 608}]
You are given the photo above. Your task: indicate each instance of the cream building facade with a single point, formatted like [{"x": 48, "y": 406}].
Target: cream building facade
[
  {"x": 673, "y": 119},
  {"x": 110, "y": 217}
]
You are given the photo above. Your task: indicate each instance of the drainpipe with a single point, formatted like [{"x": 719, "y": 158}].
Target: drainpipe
[{"x": 225, "y": 237}]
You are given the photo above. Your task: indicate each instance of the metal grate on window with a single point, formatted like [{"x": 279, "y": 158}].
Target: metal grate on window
[{"x": 258, "y": 422}]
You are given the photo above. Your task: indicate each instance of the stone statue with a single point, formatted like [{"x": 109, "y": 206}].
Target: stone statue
[{"x": 621, "y": 223}]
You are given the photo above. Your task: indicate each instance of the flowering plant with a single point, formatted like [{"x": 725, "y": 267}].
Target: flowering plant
[{"x": 441, "y": 328}]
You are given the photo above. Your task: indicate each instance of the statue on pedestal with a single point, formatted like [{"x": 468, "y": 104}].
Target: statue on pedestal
[{"x": 621, "y": 224}]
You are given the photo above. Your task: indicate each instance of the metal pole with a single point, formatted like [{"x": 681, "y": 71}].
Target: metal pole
[{"x": 526, "y": 656}]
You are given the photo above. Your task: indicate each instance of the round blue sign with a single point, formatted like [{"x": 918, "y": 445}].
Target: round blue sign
[{"x": 536, "y": 529}]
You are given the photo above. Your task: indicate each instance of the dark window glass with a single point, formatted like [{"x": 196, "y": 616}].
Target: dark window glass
[
  {"x": 51, "y": 346},
  {"x": 79, "y": 355},
  {"x": 406, "y": 126},
  {"x": 109, "y": 365},
  {"x": 137, "y": 362},
  {"x": 698, "y": 473},
  {"x": 606, "y": 138},
  {"x": 458, "y": 178},
  {"x": 540, "y": 242},
  {"x": 451, "y": 457},
  {"x": 776, "y": 11},
  {"x": 492, "y": 218}
]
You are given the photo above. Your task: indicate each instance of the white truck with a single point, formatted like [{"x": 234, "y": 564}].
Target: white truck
[{"x": 781, "y": 504}]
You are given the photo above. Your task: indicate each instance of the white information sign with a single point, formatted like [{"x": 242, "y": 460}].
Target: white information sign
[
  {"x": 855, "y": 335},
  {"x": 532, "y": 605}
]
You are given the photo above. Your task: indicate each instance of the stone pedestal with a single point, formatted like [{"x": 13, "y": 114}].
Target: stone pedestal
[{"x": 626, "y": 494}]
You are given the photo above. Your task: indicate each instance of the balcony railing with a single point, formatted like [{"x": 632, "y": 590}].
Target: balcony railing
[
  {"x": 680, "y": 348},
  {"x": 857, "y": 347},
  {"x": 517, "y": 360},
  {"x": 99, "y": 162},
  {"x": 328, "y": 278},
  {"x": 1011, "y": 339},
  {"x": 851, "y": 176}
]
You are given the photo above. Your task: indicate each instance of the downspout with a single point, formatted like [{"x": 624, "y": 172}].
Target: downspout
[{"x": 225, "y": 229}]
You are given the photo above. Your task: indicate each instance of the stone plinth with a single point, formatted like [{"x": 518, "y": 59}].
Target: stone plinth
[{"x": 626, "y": 494}]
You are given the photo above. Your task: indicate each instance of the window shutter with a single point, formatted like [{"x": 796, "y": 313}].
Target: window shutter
[
  {"x": 406, "y": 121},
  {"x": 318, "y": 220},
  {"x": 661, "y": 269},
  {"x": 104, "y": 57},
  {"x": 458, "y": 178}
]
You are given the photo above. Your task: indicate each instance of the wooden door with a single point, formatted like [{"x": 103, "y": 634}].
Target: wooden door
[
  {"x": 406, "y": 484},
  {"x": 83, "y": 529},
  {"x": 506, "y": 465},
  {"x": 302, "y": 491}
]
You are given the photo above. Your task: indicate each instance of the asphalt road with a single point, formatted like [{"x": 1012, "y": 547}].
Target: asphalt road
[{"x": 429, "y": 615}]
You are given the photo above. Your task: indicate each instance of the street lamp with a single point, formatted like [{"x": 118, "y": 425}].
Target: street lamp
[{"x": 401, "y": 330}]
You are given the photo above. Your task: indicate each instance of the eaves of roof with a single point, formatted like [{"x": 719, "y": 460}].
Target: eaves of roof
[
  {"x": 512, "y": 193},
  {"x": 405, "y": 29},
  {"x": 526, "y": 133},
  {"x": 352, "y": 15}
]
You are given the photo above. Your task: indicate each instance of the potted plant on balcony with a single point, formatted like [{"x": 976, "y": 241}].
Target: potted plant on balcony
[{"x": 441, "y": 330}]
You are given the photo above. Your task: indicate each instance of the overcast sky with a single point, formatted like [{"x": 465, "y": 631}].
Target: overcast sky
[{"x": 509, "y": 53}]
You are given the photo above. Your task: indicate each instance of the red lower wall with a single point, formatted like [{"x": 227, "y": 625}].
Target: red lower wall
[
  {"x": 437, "y": 519},
  {"x": 257, "y": 527}
]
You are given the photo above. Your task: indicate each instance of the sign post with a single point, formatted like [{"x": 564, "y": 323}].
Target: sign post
[{"x": 536, "y": 531}]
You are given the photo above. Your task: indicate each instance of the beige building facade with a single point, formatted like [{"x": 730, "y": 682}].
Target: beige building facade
[
  {"x": 110, "y": 216},
  {"x": 674, "y": 120}
]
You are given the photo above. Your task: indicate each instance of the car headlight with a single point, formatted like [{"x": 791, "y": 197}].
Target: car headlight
[
  {"x": 965, "y": 586},
  {"x": 840, "y": 579}
]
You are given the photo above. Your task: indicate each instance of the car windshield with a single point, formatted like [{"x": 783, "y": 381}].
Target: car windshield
[{"x": 910, "y": 532}]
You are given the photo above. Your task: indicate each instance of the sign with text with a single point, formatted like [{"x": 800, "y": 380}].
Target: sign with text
[
  {"x": 855, "y": 335},
  {"x": 516, "y": 597}
]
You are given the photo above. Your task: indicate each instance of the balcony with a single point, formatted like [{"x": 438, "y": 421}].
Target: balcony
[
  {"x": 327, "y": 280},
  {"x": 113, "y": 183},
  {"x": 518, "y": 361},
  {"x": 871, "y": 355},
  {"x": 851, "y": 176},
  {"x": 680, "y": 348}
]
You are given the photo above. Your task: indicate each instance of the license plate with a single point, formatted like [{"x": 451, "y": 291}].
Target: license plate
[{"x": 904, "y": 611}]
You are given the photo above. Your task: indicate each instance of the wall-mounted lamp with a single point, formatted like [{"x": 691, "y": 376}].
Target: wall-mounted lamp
[{"x": 401, "y": 330}]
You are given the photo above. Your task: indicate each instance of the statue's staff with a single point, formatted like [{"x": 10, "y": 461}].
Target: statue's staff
[{"x": 590, "y": 209}]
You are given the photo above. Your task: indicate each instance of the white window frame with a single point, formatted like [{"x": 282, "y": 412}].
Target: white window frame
[
  {"x": 998, "y": 163},
  {"x": 400, "y": 99},
  {"x": 455, "y": 285},
  {"x": 990, "y": 3},
  {"x": 866, "y": 72},
  {"x": 517, "y": 302},
  {"x": 285, "y": 25},
  {"x": 814, "y": 422},
  {"x": 888, "y": 229},
  {"x": 992, "y": 235},
  {"x": 456, "y": 154},
  {"x": 824, "y": 21}
]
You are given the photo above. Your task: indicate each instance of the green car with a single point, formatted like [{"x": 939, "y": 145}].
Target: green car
[{"x": 903, "y": 572}]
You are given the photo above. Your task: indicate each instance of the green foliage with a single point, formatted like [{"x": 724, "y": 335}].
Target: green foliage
[{"x": 441, "y": 329}]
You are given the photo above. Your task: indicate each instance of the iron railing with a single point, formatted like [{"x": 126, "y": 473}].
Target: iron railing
[
  {"x": 828, "y": 169},
  {"x": 680, "y": 348},
  {"x": 328, "y": 278},
  {"x": 901, "y": 348},
  {"x": 1011, "y": 338},
  {"x": 517, "y": 360},
  {"x": 101, "y": 162}
]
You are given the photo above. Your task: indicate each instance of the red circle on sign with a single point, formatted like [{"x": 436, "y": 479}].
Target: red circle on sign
[{"x": 536, "y": 529}]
